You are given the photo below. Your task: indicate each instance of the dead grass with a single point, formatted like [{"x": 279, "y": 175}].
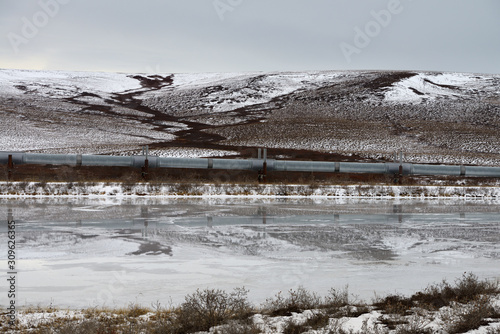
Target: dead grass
[
  {"x": 467, "y": 304},
  {"x": 462, "y": 318},
  {"x": 210, "y": 307},
  {"x": 294, "y": 301},
  {"x": 465, "y": 290},
  {"x": 130, "y": 176}
]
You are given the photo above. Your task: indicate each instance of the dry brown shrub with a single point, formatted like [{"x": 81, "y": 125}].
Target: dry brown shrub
[
  {"x": 296, "y": 301},
  {"x": 212, "y": 307}
]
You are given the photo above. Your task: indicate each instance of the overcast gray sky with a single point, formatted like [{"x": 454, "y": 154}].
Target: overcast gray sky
[{"x": 250, "y": 35}]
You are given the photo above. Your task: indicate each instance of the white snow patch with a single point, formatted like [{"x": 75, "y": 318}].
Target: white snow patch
[
  {"x": 62, "y": 84},
  {"x": 431, "y": 86}
]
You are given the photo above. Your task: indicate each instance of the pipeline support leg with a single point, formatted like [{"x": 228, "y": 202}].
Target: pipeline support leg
[
  {"x": 262, "y": 173},
  {"x": 10, "y": 167},
  {"x": 145, "y": 170}
]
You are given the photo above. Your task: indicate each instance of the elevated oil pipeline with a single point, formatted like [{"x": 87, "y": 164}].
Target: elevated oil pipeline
[{"x": 260, "y": 164}]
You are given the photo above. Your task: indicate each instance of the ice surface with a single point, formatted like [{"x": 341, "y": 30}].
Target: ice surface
[{"x": 81, "y": 253}]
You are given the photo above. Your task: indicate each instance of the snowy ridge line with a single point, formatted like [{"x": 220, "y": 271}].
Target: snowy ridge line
[
  {"x": 179, "y": 190},
  {"x": 59, "y": 84}
]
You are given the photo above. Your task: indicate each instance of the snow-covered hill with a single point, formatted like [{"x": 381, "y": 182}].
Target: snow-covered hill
[
  {"x": 432, "y": 117},
  {"x": 421, "y": 87},
  {"x": 63, "y": 84}
]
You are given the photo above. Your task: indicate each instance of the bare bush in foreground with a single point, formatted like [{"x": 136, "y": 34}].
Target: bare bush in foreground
[
  {"x": 296, "y": 301},
  {"x": 210, "y": 307}
]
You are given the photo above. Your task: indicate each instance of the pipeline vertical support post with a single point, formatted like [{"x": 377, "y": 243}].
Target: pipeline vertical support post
[
  {"x": 463, "y": 170},
  {"x": 145, "y": 169},
  {"x": 398, "y": 158},
  {"x": 264, "y": 165},
  {"x": 10, "y": 167},
  {"x": 400, "y": 173},
  {"x": 263, "y": 172},
  {"x": 262, "y": 155}
]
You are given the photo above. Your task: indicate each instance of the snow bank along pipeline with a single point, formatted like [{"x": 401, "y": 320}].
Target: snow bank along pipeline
[{"x": 259, "y": 164}]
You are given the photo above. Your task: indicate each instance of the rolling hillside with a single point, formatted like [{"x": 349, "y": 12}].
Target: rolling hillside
[{"x": 431, "y": 117}]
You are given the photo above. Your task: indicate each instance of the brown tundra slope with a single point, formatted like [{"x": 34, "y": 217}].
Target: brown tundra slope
[{"x": 431, "y": 117}]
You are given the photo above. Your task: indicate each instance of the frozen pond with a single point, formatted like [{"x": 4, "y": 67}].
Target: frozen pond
[{"x": 111, "y": 252}]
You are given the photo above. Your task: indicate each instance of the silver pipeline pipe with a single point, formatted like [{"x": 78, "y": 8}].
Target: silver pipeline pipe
[{"x": 19, "y": 158}]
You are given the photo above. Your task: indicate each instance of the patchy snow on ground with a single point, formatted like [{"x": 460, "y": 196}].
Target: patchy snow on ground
[
  {"x": 183, "y": 152},
  {"x": 101, "y": 135},
  {"x": 23, "y": 189},
  {"x": 61, "y": 84},
  {"x": 366, "y": 113},
  {"x": 268, "y": 87},
  {"x": 431, "y": 86},
  {"x": 226, "y": 92},
  {"x": 238, "y": 90},
  {"x": 193, "y": 80}
]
